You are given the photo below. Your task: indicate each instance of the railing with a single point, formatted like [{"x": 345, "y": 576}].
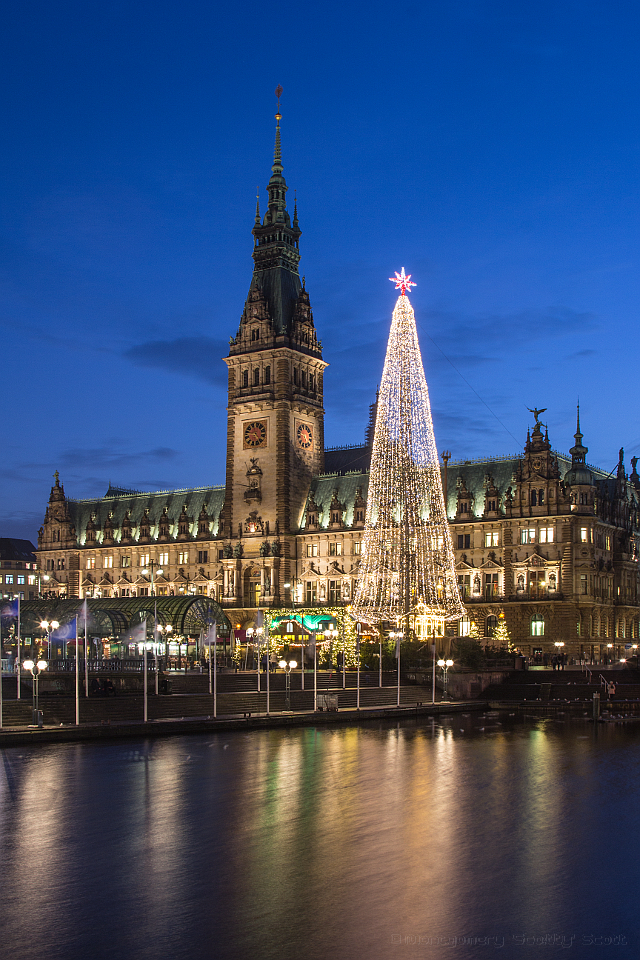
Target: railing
[{"x": 128, "y": 665}]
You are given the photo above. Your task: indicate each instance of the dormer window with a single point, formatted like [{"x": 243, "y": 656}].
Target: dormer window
[{"x": 255, "y": 334}]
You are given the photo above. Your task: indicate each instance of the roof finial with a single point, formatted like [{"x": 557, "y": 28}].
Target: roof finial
[
  {"x": 277, "y": 153},
  {"x": 295, "y": 208},
  {"x": 258, "y": 205}
]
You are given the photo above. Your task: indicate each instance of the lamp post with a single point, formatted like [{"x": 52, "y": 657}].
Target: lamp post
[
  {"x": 609, "y": 647},
  {"x": 165, "y": 631},
  {"x": 331, "y": 634},
  {"x": 151, "y": 570},
  {"x": 445, "y": 664},
  {"x": 397, "y": 636},
  {"x": 287, "y": 666},
  {"x": 49, "y": 626},
  {"x": 559, "y": 644},
  {"x": 35, "y": 669},
  {"x": 256, "y": 632}
]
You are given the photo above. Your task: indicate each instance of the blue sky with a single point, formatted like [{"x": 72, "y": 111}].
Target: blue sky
[{"x": 488, "y": 146}]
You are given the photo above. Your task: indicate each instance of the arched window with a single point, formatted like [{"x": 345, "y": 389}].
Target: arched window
[
  {"x": 537, "y": 625},
  {"x": 256, "y": 377},
  {"x": 534, "y": 499},
  {"x": 267, "y": 375},
  {"x": 490, "y": 625},
  {"x": 245, "y": 378}
]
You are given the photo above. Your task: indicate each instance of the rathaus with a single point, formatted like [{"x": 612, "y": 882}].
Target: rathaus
[{"x": 542, "y": 537}]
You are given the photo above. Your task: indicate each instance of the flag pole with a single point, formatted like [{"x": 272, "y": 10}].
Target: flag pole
[
  {"x": 0, "y": 669},
  {"x": 18, "y": 650},
  {"x": 77, "y": 676},
  {"x": 155, "y": 639},
  {"x": 215, "y": 669},
  {"x": 86, "y": 652},
  {"x": 144, "y": 667}
]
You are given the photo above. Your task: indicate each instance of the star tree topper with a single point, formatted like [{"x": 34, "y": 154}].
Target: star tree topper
[{"x": 403, "y": 283}]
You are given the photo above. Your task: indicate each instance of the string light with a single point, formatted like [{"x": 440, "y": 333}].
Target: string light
[{"x": 408, "y": 566}]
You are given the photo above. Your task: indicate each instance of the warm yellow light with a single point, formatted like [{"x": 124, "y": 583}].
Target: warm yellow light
[
  {"x": 282, "y": 664},
  {"x": 54, "y": 624},
  {"x": 449, "y": 663},
  {"x": 28, "y": 664},
  {"x": 42, "y": 664},
  {"x": 407, "y": 550},
  {"x": 441, "y": 663},
  {"x": 293, "y": 664},
  {"x": 44, "y": 624}
]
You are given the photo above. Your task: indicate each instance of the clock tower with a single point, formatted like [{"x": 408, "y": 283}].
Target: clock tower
[{"x": 275, "y": 433}]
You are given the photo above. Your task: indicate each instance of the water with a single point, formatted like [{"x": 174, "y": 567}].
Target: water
[{"x": 469, "y": 837}]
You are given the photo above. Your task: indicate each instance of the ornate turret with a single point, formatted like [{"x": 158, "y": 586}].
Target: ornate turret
[{"x": 579, "y": 474}]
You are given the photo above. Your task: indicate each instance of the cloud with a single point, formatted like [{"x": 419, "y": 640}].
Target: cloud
[{"x": 195, "y": 357}]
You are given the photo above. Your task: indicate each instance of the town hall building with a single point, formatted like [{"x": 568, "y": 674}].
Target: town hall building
[{"x": 542, "y": 537}]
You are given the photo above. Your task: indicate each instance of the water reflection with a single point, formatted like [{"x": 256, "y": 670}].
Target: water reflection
[{"x": 321, "y": 843}]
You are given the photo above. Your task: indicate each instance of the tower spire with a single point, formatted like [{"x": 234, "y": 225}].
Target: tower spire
[
  {"x": 277, "y": 152},
  {"x": 275, "y": 252}
]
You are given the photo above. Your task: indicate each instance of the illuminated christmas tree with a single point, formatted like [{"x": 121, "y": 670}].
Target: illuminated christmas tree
[
  {"x": 408, "y": 555},
  {"x": 501, "y": 637},
  {"x": 474, "y": 633}
]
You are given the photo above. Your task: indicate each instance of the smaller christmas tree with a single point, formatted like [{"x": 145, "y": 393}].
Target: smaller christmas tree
[
  {"x": 474, "y": 633},
  {"x": 501, "y": 636}
]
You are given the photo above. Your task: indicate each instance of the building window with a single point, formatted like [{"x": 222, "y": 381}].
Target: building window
[
  {"x": 490, "y": 626},
  {"x": 267, "y": 375},
  {"x": 20, "y": 579},
  {"x": 491, "y": 539},
  {"x": 357, "y": 548},
  {"x": 464, "y": 585},
  {"x": 312, "y": 549},
  {"x": 32, "y": 580},
  {"x": 584, "y": 535},
  {"x": 183, "y": 557},
  {"x": 310, "y": 591},
  {"x": 583, "y": 584},
  {"x": 607, "y": 542},
  {"x": 125, "y": 562},
  {"x": 8, "y": 578},
  {"x": 334, "y": 591},
  {"x": 144, "y": 559},
  {"x": 547, "y": 534},
  {"x": 335, "y": 549},
  {"x": 464, "y": 541},
  {"x": 255, "y": 335},
  {"x": 534, "y": 498},
  {"x": 245, "y": 378},
  {"x": 256, "y": 377},
  {"x": 203, "y": 556},
  {"x": 537, "y": 626},
  {"x": 295, "y": 375},
  {"x": 464, "y": 626},
  {"x": 491, "y": 584},
  {"x": 61, "y": 563},
  {"x": 91, "y": 563},
  {"x": 108, "y": 563},
  {"x": 528, "y": 535}
]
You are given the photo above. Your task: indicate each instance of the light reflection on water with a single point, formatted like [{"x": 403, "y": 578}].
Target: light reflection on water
[{"x": 372, "y": 841}]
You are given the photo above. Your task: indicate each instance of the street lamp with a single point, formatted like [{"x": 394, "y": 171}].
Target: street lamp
[
  {"x": 154, "y": 573},
  {"x": 255, "y": 633},
  {"x": 331, "y": 634},
  {"x": 445, "y": 664},
  {"x": 35, "y": 669},
  {"x": 165, "y": 631},
  {"x": 397, "y": 636},
  {"x": 49, "y": 626},
  {"x": 287, "y": 666}
]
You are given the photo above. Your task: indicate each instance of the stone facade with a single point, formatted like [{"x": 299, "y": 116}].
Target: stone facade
[{"x": 540, "y": 536}]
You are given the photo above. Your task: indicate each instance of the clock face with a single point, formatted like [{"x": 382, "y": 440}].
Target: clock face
[
  {"x": 304, "y": 434},
  {"x": 255, "y": 434}
]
